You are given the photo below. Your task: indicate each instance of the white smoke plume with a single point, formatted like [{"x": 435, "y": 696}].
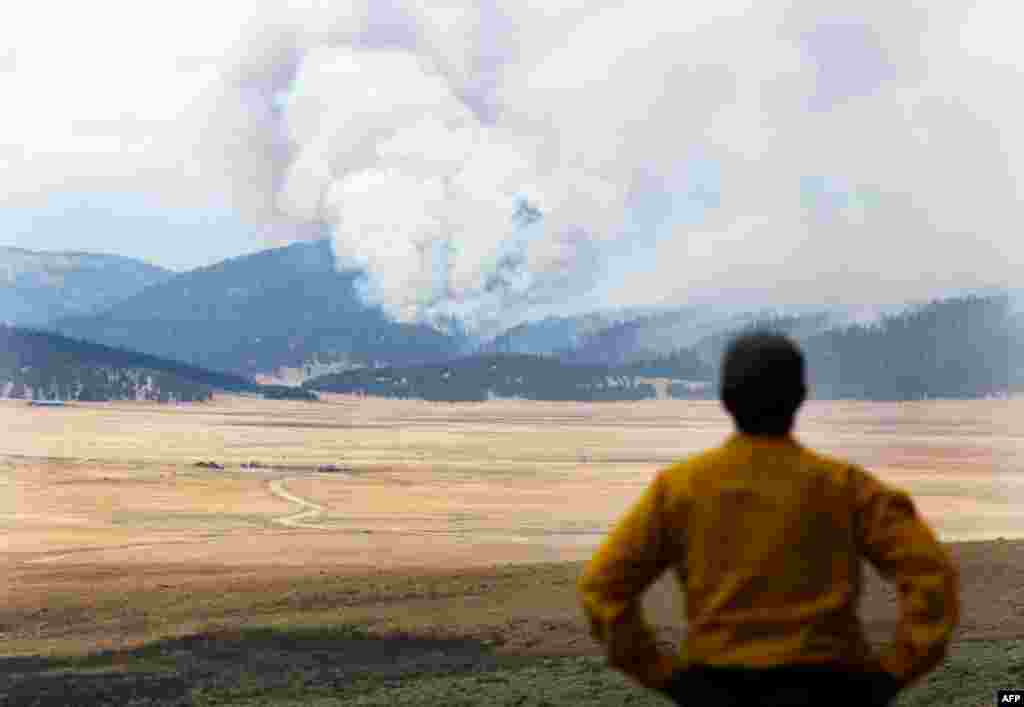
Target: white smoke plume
[{"x": 485, "y": 159}]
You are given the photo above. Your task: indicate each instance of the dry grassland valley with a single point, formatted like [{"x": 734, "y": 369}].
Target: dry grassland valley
[{"x": 369, "y": 551}]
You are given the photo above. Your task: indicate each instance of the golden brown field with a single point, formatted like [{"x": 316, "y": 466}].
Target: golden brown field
[
  {"x": 434, "y": 485},
  {"x": 461, "y": 519}
]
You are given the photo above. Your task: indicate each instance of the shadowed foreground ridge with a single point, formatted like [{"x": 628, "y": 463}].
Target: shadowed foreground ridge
[
  {"x": 342, "y": 665},
  {"x": 267, "y": 662}
]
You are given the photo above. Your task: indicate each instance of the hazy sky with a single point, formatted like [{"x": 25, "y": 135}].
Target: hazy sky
[{"x": 774, "y": 151}]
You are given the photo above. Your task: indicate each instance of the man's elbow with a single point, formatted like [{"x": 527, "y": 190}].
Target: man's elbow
[
  {"x": 952, "y": 594},
  {"x": 593, "y": 590},
  {"x": 585, "y": 593},
  {"x": 589, "y": 601}
]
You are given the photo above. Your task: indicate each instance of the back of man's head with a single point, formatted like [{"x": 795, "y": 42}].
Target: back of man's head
[{"x": 762, "y": 382}]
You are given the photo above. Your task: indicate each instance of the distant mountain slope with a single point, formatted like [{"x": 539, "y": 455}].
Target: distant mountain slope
[
  {"x": 257, "y": 313},
  {"x": 555, "y": 334},
  {"x": 662, "y": 333},
  {"x": 41, "y": 365},
  {"x": 610, "y": 337},
  {"x": 1017, "y": 352},
  {"x": 1017, "y": 299},
  {"x": 39, "y": 287},
  {"x": 547, "y": 335}
]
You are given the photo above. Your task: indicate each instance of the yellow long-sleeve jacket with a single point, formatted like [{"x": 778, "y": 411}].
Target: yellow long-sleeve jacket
[{"x": 766, "y": 537}]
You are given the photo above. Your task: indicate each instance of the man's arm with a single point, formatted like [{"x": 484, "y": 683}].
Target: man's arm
[
  {"x": 906, "y": 552},
  {"x": 640, "y": 547}
]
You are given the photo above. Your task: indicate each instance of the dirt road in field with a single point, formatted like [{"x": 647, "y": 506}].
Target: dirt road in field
[{"x": 310, "y": 511}]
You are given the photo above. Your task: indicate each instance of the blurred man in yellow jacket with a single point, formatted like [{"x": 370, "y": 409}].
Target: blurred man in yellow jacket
[{"x": 766, "y": 538}]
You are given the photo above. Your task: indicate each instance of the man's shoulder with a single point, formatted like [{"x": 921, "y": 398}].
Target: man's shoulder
[
  {"x": 689, "y": 470},
  {"x": 692, "y": 463},
  {"x": 841, "y": 472},
  {"x": 830, "y": 462},
  {"x": 714, "y": 459}
]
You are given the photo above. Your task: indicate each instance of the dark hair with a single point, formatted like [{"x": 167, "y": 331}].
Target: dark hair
[{"x": 762, "y": 383}]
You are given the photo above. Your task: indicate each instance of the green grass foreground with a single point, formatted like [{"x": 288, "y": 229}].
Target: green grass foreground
[{"x": 343, "y": 665}]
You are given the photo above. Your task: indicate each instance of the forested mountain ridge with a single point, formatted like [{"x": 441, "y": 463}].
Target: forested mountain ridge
[
  {"x": 258, "y": 313},
  {"x": 44, "y": 366},
  {"x": 956, "y": 348},
  {"x": 37, "y": 287}
]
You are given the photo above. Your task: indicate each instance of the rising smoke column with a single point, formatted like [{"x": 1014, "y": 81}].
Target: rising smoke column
[{"x": 379, "y": 123}]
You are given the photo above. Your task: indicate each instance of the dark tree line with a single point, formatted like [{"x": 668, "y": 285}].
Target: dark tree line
[
  {"x": 286, "y": 392},
  {"x": 44, "y": 365},
  {"x": 531, "y": 377},
  {"x": 683, "y": 364}
]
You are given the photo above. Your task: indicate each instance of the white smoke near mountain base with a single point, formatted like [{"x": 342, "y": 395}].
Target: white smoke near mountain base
[{"x": 488, "y": 159}]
